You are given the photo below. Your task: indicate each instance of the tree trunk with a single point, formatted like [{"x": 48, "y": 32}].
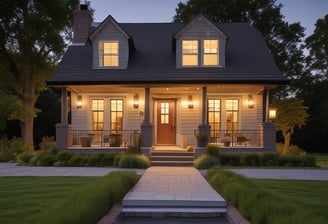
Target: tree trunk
[
  {"x": 287, "y": 137},
  {"x": 29, "y": 103}
]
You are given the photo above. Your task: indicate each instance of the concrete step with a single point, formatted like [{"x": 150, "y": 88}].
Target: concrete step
[{"x": 172, "y": 158}]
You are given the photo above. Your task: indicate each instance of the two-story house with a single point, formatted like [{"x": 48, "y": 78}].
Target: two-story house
[{"x": 164, "y": 83}]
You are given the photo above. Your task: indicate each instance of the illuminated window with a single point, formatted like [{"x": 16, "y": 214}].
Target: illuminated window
[
  {"x": 97, "y": 114},
  {"x": 189, "y": 52},
  {"x": 109, "y": 54},
  {"x": 116, "y": 115},
  {"x": 232, "y": 114},
  {"x": 210, "y": 52},
  {"x": 214, "y": 116},
  {"x": 164, "y": 113}
]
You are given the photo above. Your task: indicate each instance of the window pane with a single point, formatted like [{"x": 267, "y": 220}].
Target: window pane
[
  {"x": 189, "y": 52},
  {"x": 210, "y": 52},
  {"x": 109, "y": 52}
]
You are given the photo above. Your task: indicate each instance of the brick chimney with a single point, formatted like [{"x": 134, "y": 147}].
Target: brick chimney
[{"x": 82, "y": 20}]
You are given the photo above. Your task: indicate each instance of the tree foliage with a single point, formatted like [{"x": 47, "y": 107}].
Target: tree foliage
[
  {"x": 317, "y": 43},
  {"x": 32, "y": 39},
  {"x": 283, "y": 39},
  {"x": 291, "y": 114}
]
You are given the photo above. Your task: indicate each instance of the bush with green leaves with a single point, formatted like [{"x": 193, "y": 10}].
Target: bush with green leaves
[
  {"x": 255, "y": 204},
  {"x": 230, "y": 159},
  {"x": 292, "y": 150},
  {"x": 250, "y": 159},
  {"x": 134, "y": 161},
  {"x": 24, "y": 158},
  {"x": 77, "y": 160},
  {"x": 296, "y": 160},
  {"x": 269, "y": 159},
  {"x": 64, "y": 155},
  {"x": 46, "y": 160},
  {"x": 206, "y": 161},
  {"x": 90, "y": 203},
  {"x": 212, "y": 150}
]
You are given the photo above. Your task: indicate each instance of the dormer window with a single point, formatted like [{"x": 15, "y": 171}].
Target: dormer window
[
  {"x": 190, "y": 53},
  {"x": 210, "y": 52},
  {"x": 109, "y": 53}
]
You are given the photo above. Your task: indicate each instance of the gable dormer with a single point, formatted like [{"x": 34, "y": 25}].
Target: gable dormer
[
  {"x": 112, "y": 45},
  {"x": 200, "y": 44}
]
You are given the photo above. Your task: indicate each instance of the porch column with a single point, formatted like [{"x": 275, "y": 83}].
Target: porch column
[
  {"x": 146, "y": 126},
  {"x": 268, "y": 129},
  {"x": 204, "y": 127},
  {"x": 63, "y": 129}
]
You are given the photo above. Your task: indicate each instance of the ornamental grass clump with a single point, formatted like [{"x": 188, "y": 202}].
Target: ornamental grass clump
[{"x": 134, "y": 161}]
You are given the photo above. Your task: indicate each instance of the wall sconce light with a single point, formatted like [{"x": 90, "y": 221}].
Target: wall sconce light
[
  {"x": 250, "y": 102},
  {"x": 79, "y": 101},
  {"x": 190, "y": 103},
  {"x": 136, "y": 101},
  {"x": 272, "y": 113}
]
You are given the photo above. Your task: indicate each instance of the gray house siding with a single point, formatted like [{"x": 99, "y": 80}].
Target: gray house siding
[{"x": 111, "y": 33}]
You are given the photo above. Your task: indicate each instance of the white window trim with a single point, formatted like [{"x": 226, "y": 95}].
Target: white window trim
[{"x": 102, "y": 54}]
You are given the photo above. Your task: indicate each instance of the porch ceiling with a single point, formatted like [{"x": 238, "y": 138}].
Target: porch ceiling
[{"x": 169, "y": 88}]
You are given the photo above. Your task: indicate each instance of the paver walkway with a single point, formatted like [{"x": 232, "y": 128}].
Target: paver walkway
[{"x": 173, "y": 190}]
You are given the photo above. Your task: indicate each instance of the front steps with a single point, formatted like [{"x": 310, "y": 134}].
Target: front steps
[{"x": 172, "y": 158}]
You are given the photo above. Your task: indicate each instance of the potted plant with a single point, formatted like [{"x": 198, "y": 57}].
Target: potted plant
[
  {"x": 202, "y": 139},
  {"x": 226, "y": 139}
]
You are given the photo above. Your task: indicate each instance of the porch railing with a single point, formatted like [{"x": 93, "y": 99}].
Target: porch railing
[
  {"x": 105, "y": 138},
  {"x": 236, "y": 138}
]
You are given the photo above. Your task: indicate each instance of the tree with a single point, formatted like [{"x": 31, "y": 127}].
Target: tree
[
  {"x": 283, "y": 39},
  {"x": 32, "y": 40},
  {"x": 291, "y": 113},
  {"x": 317, "y": 43}
]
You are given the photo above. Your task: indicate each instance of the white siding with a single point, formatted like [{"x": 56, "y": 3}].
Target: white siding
[
  {"x": 111, "y": 32},
  {"x": 251, "y": 118}
]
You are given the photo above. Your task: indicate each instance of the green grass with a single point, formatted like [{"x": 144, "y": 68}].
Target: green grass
[
  {"x": 261, "y": 206},
  {"x": 321, "y": 158},
  {"x": 61, "y": 200},
  {"x": 24, "y": 197},
  {"x": 310, "y": 195}
]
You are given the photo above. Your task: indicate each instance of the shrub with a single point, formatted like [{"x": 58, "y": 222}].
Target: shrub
[
  {"x": 24, "y": 158},
  {"x": 290, "y": 160},
  {"x": 292, "y": 150},
  {"x": 250, "y": 159},
  {"x": 91, "y": 202},
  {"x": 206, "y": 161},
  {"x": 269, "y": 159},
  {"x": 48, "y": 144},
  {"x": 64, "y": 155},
  {"x": 254, "y": 203},
  {"x": 308, "y": 160},
  {"x": 36, "y": 156},
  {"x": 134, "y": 161},
  {"x": 46, "y": 160},
  {"x": 96, "y": 159},
  {"x": 212, "y": 150},
  {"x": 230, "y": 159},
  {"x": 109, "y": 159},
  {"x": 76, "y": 160}
]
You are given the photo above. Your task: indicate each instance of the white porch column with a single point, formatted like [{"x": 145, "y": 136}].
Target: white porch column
[
  {"x": 268, "y": 128},
  {"x": 63, "y": 129},
  {"x": 146, "y": 126},
  {"x": 204, "y": 127}
]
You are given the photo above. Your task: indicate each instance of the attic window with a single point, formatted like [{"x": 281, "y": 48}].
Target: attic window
[
  {"x": 109, "y": 54},
  {"x": 210, "y": 52},
  {"x": 189, "y": 52}
]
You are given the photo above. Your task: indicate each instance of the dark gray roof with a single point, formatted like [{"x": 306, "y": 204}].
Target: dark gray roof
[{"x": 248, "y": 59}]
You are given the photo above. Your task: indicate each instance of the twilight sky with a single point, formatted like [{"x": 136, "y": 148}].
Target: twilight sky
[{"x": 305, "y": 11}]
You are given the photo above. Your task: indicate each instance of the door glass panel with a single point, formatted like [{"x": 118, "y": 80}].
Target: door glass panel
[{"x": 164, "y": 113}]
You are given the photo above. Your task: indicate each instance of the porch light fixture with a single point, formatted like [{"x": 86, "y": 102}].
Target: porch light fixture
[
  {"x": 190, "y": 103},
  {"x": 250, "y": 102},
  {"x": 79, "y": 101},
  {"x": 136, "y": 101},
  {"x": 272, "y": 113}
]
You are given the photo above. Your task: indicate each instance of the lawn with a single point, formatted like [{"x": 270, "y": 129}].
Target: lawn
[
  {"x": 321, "y": 158},
  {"x": 310, "y": 195},
  {"x": 22, "y": 198}
]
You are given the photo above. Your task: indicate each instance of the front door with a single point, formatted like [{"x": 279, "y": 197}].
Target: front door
[{"x": 166, "y": 124}]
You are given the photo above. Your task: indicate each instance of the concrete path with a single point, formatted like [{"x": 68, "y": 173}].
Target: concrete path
[
  {"x": 171, "y": 190},
  {"x": 11, "y": 169},
  {"x": 294, "y": 174}
]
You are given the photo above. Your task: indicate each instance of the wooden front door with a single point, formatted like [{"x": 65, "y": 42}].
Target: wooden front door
[{"x": 166, "y": 124}]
